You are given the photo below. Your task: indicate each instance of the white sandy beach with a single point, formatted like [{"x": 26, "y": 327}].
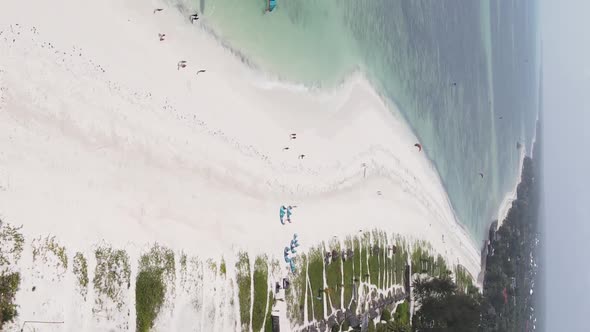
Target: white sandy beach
[{"x": 102, "y": 138}]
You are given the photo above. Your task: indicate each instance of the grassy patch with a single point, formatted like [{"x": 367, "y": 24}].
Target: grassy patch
[
  {"x": 400, "y": 262},
  {"x": 357, "y": 258},
  {"x": 156, "y": 272},
  {"x": 112, "y": 273},
  {"x": 80, "y": 270},
  {"x": 316, "y": 279},
  {"x": 149, "y": 297},
  {"x": 383, "y": 261},
  {"x": 243, "y": 280},
  {"x": 182, "y": 261},
  {"x": 11, "y": 244},
  {"x": 348, "y": 274},
  {"x": 11, "y": 248},
  {"x": 402, "y": 313},
  {"x": 364, "y": 257},
  {"x": 212, "y": 266},
  {"x": 441, "y": 268},
  {"x": 373, "y": 262},
  {"x": 424, "y": 262},
  {"x": 295, "y": 295},
  {"x": 194, "y": 281},
  {"x": 50, "y": 252},
  {"x": 463, "y": 278},
  {"x": 222, "y": 268},
  {"x": 260, "y": 292},
  {"x": 334, "y": 276},
  {"x": 183, "y": 269},
  {"x": 268, "y": 320},
  {"x": 9, "y": 284}
]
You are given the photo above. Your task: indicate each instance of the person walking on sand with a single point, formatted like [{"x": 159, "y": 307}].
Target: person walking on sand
[
  {"x": 293, "y": 136},
  {"x": 301, "y": 156},
  {"x": 181, "y": 64},
  {"x": 194, "y": 17},
  {"x": 162, "y": 36}
]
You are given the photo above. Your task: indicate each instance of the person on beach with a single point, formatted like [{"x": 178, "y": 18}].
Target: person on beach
[
  {"x": 158, "y": 10},
  {"x": 282, "y": 214},
  {"x": 301, "y": 156},
  {"x": 289, "y": 213},
  {"x": 194, "y": 17},
  {"x": 181, "y": 64},
  {"x": 293, "y": 136},
  {"x": 161, "y": 35}
]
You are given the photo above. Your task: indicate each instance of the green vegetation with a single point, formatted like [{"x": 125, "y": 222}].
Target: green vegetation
[
  {"x": 399, "y": 260},
  {"x": 80, "y": 270},
  {"x": 9, "y": 284},
  {"x": 268, "y": 320},
  {"x": 424, "y": 262},
  {"x": 11, "y": 244},
  {"x": 385, "y": 315},
  {"x": 260, "y": 292},
  {"x": 345, "y": 326},
  {"x": 510, "y": 273},
  {"x": 443, "y": 307},
  {"x": 222, "y": 268},
  {"x": 364, "y": 241},
  {"x": 295, "y": 296},
  {"x": 183, "y": 270},
  {"x": 316, "y": 279},
  {"x": 111, "y": 274},
  {"x": 334, "y": 276},
  {"x": 11, "y": 248},
  {"x": 50, "y": 251},
  {"x": 149, "y": 297},
  {"x": 386, "y": 283},
  {"x": 212, "y": 266},
  {"x": 395, "y": 326},
  {"x": 244, "y": 283},
  {"x": 156, "y": 272},
  {"x": 463, "y": 279},
  {"x": 357, "y": 258},
  {"x": 373, "y": 261},
  {"x": 348, "y": 274},
  {"x": 402, "y": 313},
  {"x": 182, "y": 261}
]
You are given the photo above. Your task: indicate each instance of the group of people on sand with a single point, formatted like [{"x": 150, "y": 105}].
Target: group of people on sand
[
  {"x": 286, "y": 211},
  {"x": 162, "y": 36},
  {"x": 293, "y": 136}
]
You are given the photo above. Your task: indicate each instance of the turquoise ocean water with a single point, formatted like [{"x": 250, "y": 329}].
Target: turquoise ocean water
[{"x": 464, "y": 74}]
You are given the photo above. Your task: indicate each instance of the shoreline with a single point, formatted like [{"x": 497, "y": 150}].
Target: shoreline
[
  {"x": 511, "y": 195},
  {"x": 503, "y": 210}
]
